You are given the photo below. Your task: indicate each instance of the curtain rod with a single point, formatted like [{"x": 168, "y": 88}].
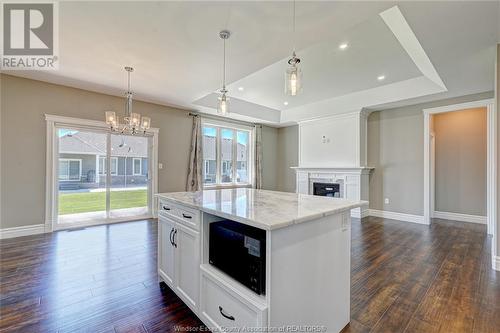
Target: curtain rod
[{"x": 229, "y": 120}]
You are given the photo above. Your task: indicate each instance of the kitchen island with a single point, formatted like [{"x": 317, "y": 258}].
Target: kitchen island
[{"x": 306, "y": 256}]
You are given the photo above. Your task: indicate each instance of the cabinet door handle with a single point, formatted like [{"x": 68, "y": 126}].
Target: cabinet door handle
[
  {"x": 166, "y": 208},
  {"x": 221, "y": 310},
  {"x": 186, "y": 216},
  {"x": 173, "y": 237}
]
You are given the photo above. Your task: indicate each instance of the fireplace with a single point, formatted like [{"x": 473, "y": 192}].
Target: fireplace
[{"x": 326, "y": 189}]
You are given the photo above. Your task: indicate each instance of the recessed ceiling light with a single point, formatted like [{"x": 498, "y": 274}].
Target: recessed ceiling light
[
  {"x": 241, "y": 88},
  {"x": 381, "y": 77},
  {"x": 343, "y": 46},
  {"x": 285, "y": 103}
]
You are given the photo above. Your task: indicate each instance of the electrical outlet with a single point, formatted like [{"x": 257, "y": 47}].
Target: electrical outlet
[
  {"x": 160, "y": 166},
  {"x": 386, "y": 201}
]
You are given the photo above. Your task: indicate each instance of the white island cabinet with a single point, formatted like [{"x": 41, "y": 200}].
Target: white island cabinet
[{"x": 307, "y": 274}]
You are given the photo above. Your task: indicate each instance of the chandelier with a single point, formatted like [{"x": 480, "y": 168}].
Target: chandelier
[{"x": 133, "y": 123}]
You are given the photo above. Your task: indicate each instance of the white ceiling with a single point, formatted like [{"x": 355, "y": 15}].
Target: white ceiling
[{"x": 426, "y": 50}]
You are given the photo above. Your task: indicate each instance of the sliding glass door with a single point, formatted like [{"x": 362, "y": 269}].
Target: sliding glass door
[
  {"x": 102, "y": 177},
  {"x": 129, "y": 183}
]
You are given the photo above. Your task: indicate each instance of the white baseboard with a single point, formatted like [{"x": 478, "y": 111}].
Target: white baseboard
[
  {"x": 496, "y": 263},
  {"x": 22, "y": 231},
  {"x": 460, "y": 217},
  {"x": 397, "y": 216}
]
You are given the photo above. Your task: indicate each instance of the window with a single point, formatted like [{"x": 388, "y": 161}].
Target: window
[
  {"x": 102, "y": 165},
  {"x": 137, "y": 166},
  {"x": 70, "y": 169},
  {"x": 226, "y": 154}
]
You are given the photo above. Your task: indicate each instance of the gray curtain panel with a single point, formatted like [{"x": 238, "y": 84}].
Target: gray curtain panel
[
  {"x": 195, "y": 171},
  {"x": 258, "y": 156}
]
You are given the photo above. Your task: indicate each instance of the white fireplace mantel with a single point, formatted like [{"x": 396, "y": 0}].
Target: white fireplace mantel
[
  {"x": 353, "y": 181},
  {"x": 319, "y": 169}
]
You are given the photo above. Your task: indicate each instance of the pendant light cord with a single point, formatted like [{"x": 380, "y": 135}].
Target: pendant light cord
[
  {"x": 293, "y": 35},
  {"x": 128, "y": 81},
  {"x": 224, "y": 68}
]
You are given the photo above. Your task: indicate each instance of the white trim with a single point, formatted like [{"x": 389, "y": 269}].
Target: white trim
[
  {"x": 491, "y": 157},
  {"x": 495, "y": 263},
  {"x": 460, "y": 217},
  {"x": 51, "y": 177},
  {"x": 460, "y": 107},
  {"x": 22, "y": 231},
  {"x": 397, "y": 216},
  {"x": 133, "y": 166}
]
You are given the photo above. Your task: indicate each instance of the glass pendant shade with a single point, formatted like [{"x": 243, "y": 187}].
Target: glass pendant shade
[
  {"x": 293, "y": 81},
  {"x": 135, "y": 119},
  {"x": 110, "y": 118},
  {"x": 145, "y": 123},
  {"x": 223, "y": 107}
]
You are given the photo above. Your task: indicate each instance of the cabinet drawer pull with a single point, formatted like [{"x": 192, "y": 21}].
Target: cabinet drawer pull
[
  {"x": 221, "y": 310},
  {"x": 166, "y": 208},
  {"x": 173, "y": 238},
  {"x": 186, "y": 216}
]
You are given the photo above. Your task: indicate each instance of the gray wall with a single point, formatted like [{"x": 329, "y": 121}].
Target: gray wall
[
  {"x": 288, "y": 156},
  {"x": 23, "y": 105},
  {"x": 460, "y": 169},
  {"x": 269, "y": 158},
  {"x": 395, "y": 150}
]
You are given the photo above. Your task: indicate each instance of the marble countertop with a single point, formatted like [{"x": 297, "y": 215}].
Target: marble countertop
[{"x": 263, "y": 209}]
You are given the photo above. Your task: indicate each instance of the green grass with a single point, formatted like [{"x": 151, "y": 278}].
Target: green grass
[{"x": 71, "y": 203}]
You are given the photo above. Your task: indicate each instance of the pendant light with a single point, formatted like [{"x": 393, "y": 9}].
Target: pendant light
[
  {"x": 132, "y": 122},
  {"x": 223, "y": 105},
  {"x": 293, "y": 74}
]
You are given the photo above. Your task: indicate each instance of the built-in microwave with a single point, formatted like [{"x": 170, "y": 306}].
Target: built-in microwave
[{"x": 239, "y": 250}]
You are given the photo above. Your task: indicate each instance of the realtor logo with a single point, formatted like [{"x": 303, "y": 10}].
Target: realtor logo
[{"x": 29, "y": 37}]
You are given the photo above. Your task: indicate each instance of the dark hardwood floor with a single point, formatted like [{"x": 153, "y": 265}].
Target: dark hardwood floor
[{"x": 405, "y": 278}]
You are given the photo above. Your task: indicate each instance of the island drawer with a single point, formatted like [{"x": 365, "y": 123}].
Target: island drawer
[
  {"x": 223, "y": 307},
  {"x": 185, "y": 215}
]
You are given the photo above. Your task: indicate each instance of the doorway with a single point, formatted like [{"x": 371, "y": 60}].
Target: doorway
[
  {"x": 97, "y": 176},
  {"x": 491, "y": 163}
]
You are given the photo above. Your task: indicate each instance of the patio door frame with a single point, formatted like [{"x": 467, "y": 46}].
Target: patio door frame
[{"x": 52, "y": 180}]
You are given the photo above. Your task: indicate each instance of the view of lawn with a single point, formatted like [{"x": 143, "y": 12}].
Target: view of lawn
[{"x": 71, "y": 203}]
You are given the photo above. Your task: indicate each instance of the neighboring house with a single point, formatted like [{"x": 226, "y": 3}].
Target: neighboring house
[
  {"x": 82, "y": 161},
  {"x": 210, "y": 163}
]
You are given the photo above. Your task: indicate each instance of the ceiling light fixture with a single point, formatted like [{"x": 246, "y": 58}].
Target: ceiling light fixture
[
  {"x": 223, "y": 107},
  {"x": 381, "y": 77},
  {"x": 343, "y": 46},
  {"x": 293, "y": 74},
  {"x": 132, "y": 122},
  {"x": 285, "y": 103},
  {"x": 241, "y": 88}
]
